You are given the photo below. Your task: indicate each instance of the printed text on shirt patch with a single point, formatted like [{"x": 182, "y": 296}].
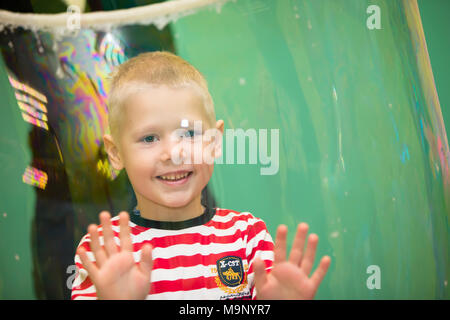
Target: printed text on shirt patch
[{"x": 231, "y": 276}]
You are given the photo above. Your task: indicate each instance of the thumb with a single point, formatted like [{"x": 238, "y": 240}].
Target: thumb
[
  {"x": 146, "y": 264},
  {"x": 259, "y": 268}
]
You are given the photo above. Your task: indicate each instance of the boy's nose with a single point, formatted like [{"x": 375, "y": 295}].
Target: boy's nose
[
  {"x": 173, "y": 150},
  {"x": 166, "y": 153}
]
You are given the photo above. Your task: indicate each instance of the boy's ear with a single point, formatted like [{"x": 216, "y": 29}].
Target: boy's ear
[
  {"x": 113, "y": 152},
  {"x": 220, "y": 125},
  {"x": 218, "y": 146}
]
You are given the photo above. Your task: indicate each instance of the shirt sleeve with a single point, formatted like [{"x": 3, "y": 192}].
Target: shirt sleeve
[
  {"x": 259, "y": 244},
  {"x": 82, "y": 286}
]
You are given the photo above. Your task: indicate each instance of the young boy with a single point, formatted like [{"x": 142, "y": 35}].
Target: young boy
[{"x": 171, "y": 246}]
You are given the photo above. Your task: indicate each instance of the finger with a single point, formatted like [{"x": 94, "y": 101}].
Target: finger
[
  {"x": 259, "y": 267},
  {"x": 125, "y": 237},
  {"x": 108, "y": 235},
  {"x": 146, "y": 264},
  {"x": 280, "y": 245},
  {"x": 97, "y": 250},
  {"x": 88, "y": 264},
  {"x": 308, "y": 259},
  {"x": 299, "y": 243},
  {"x": 321, "y": 270}
]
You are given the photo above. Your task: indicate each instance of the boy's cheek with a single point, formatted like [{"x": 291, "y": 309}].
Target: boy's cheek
[
  {"x": 141, "y": 168},
  {"x": 204, "y": 173}
]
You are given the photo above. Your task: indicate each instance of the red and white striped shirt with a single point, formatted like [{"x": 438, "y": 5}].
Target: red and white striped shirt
[{"x": 208, "y": 257}]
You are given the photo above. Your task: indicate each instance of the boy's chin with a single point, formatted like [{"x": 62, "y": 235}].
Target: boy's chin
[{"x": 175, "y": 203}]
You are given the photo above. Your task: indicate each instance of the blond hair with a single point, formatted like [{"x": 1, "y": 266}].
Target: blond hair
[{"x": 152, "y": 69}]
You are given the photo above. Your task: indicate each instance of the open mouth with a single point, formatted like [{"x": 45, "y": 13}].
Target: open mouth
[{"x": 176, "y": 178}]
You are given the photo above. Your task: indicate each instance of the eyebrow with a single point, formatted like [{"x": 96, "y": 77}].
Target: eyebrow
[
  {"x": 146, "y": 128},
  {"x": 155, "y": 127}
]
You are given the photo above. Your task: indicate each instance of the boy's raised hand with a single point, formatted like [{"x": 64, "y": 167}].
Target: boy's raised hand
[
  {"x": 115, "y": 273},
  {"x": 289, "y": 279}
]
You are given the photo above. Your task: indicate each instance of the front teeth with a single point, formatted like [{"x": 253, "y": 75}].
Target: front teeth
[{"x": 175, "y": 177}]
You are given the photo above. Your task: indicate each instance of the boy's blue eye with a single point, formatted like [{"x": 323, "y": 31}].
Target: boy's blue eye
[
  {"x": 190, "y": 134},
  {"x": 149, "y": 139}
]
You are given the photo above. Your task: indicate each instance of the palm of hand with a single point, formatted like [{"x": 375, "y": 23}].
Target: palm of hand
[
  {"x": 289, "y": 279},
  {"x": 120, "y": 278},
  {"x": 115, "y": 273}
]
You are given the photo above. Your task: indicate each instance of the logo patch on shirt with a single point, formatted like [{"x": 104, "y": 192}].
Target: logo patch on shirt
[{"x": 231, "y": 276}]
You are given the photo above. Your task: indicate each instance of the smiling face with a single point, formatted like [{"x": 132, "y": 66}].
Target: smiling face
[{"x": 147, "y": 148}]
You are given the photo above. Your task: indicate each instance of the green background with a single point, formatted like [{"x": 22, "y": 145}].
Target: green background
[{"x": 436, "y": 25}]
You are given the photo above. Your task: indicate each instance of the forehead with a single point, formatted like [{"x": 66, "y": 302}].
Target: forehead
[{"x": 163, "y": 106}]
